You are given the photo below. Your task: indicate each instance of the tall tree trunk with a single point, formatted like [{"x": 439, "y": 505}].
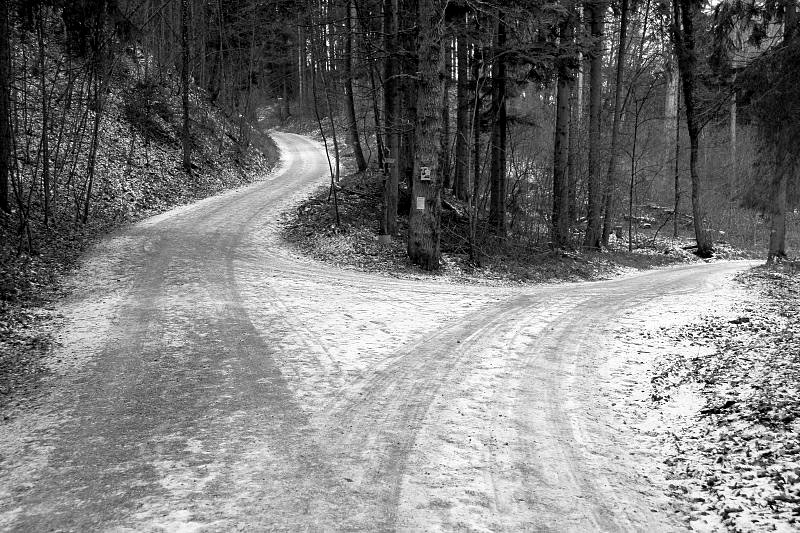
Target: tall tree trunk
[
  {"x": 45, "y": 146},
  {"x": 476, "y": 137},
  {"x": 391, "y": 128},
  {"x": 611, "y": 179},
  {"x": 677, "y": 175},
  {"x": 497, "y": 200},
  {"x": 684, "y": 38},
  {"x": 670, "y": 112},
  {"x": 302, "y": 74},
  {"x": 286, "y": 112},
  {"x": 94, "y": 84},
  {"x": 595, "y": 12},
  {"x": 425, "y": 213},
  {"x": 777, "y": 234},
  {"x": 575, "y": 89},
  {"x": 5, "y": 107},
  {"x": 378, "y": 121},
  {"x": 559, "y": 232},
  {"x": 407, "y": 86},
  {"x": 461, "y": 185},
  {"x": 445, "y": 138},
  {"x": 185, "y": 139},
  {"x": 350, "y": 105}
]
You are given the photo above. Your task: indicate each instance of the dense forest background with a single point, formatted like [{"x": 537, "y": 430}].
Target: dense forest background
[{"x": 558, "y": 125}]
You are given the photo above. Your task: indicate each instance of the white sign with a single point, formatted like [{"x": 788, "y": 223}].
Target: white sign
[
  {"x": 420, "y": 203},
  {"x": 425, "y": 174}
]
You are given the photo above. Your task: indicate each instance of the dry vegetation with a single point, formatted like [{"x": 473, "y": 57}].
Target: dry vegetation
[
  {"x": 735, "y": 460},
  {"x": 354, "y": 243}
]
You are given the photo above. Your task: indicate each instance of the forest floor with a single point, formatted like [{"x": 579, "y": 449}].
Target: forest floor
[
  {"x": 353, "y": 243},
  {"x": 725, "y": 403}
]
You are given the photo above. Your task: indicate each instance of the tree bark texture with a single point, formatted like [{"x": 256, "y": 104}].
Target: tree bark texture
[
  {"x": 45, "y": 146},
  {"x": 559, "y": 233},
  {"x": 670, "y": 112},
  {"x": 391, "y": 128},
  {"x": 185, "y": 139},
  {"x": 777, "y": 234},
  {"x": 497, "y": 199},
  {"x": 613, "y": 170},
  {"x": 406, "y": 11},
  {"x": 461, "y": 184},
  {"x": 350, "y": 105},
  {"x": 595, "y": 12},
  {"x": 5, "y": 107},
  {"x": 684, "y": 38},
  {"x": 445, "y": 137},
  {"x": 572, "y": 156},
  {"x": 425, "y": 213}
]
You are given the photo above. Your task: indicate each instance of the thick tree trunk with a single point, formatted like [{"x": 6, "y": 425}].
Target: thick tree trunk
[
  {"x": 777, "y": 234},
  {"x": 575, "y": 88},
  {"x": 595, "y": 12},
  {"x": 611, "y": 179},
  {"x": 5, "y": 107},
  {"x": 559, "y": 232},
  {"x": 683, "y": 32},
  {"x": 350, "y": 105},
  {"x": 497, "y": 200},
  {"x": 406, "y": 11},
  {"x": 185, "y": 139},
  {"x": 424, "y": 216},
  {"x": 461, "y": 185},
  {"x": 391, "y": 129}
]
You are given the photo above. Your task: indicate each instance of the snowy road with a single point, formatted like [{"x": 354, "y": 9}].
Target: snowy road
[{"x": 208, "y": 379}]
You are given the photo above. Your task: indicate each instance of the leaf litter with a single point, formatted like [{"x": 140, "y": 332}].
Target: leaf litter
[{"x": 728, "y": 398}]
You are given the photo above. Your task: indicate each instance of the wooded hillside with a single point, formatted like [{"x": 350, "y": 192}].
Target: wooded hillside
[
  {"x": 92, "y": 108},
  {"x": 559, "y": 125}
]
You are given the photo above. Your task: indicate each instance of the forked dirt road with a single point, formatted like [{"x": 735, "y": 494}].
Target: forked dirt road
[{"x": 208, "y": 379}]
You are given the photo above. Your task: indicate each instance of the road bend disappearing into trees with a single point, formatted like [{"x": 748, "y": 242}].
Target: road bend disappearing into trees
[{"x": 206, "y": 378}]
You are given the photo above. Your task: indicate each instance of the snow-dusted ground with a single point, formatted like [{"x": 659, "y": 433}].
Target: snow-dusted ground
[{"x": 209, "y": 379}]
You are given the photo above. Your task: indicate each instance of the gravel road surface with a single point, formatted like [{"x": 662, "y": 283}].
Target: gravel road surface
[{"x": 207, "y": 379}]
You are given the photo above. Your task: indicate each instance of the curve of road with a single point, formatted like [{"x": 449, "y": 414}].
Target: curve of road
[{"x": 208, "y": 379}]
